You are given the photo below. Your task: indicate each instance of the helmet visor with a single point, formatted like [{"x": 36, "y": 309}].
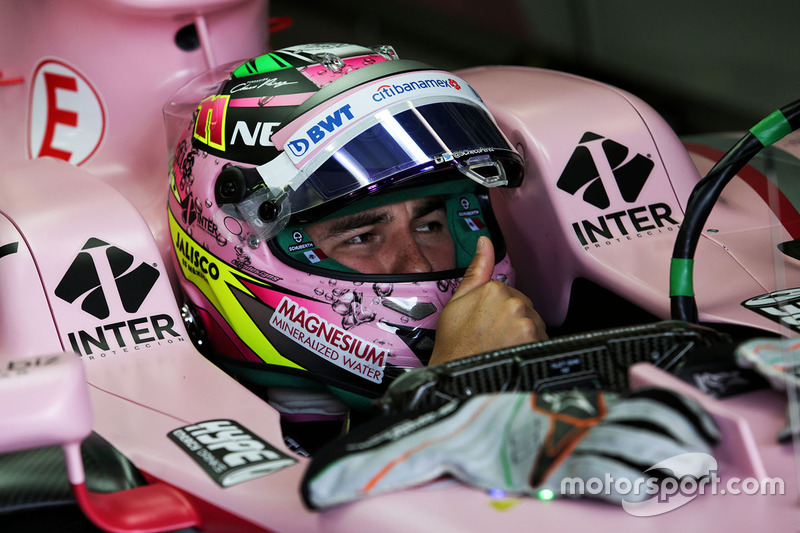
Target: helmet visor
[{"x": 398, "y": 143}]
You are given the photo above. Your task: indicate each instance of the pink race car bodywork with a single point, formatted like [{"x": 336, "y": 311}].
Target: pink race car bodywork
[
  {"x": 153, "y": 396},
  {"x": 626, "y": 245}
]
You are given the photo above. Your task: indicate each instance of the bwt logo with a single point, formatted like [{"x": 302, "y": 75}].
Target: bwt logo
[
  {"x": 598, "y": 161},
  {"x": 67, "y": 116},
  {"x": 82, "y": 279},
  {"x": 316, "y": 133}
]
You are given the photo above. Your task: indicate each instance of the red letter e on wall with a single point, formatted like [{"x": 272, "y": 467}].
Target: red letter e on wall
[{"x": 55, "y": 115}]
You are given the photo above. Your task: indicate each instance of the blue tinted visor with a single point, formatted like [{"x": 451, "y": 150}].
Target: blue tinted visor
[{"x": 400, "y": 143}]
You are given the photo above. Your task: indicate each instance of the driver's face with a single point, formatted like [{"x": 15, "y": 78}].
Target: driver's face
[{"x": 402, "y": 238}]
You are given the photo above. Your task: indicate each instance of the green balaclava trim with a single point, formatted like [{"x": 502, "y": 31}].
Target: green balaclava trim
[{"x": 465, "y": 219}]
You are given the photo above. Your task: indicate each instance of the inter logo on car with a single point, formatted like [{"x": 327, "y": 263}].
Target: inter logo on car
[
  {"x": 600, "y": 174},
  {"x": 82, "y": 280}
]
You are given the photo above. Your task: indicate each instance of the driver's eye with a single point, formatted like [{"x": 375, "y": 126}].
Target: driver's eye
[
  {"x": 360, "y": 239},
  {"x": 433, "y": 225}
]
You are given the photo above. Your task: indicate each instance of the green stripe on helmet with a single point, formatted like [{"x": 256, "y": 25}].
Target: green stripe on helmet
[{"x": 261, "y": 64}]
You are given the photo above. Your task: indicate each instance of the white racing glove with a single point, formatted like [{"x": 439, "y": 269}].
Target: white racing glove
[
  {"x": 778, "y": 360},
  {"x": 521, "y": 443}
]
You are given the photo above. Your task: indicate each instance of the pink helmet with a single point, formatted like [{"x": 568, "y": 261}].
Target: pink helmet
[{"x": 303, "y": 133}]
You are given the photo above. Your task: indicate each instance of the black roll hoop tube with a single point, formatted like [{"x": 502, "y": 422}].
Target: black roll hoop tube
[{"x": 705, "y": 194}]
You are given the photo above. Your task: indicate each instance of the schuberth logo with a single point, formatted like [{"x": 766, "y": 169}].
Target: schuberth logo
[
  {"x": 629, "y": 173},
  {"x": 606, "y": 174},
  {"x": 103, "y": 277}
]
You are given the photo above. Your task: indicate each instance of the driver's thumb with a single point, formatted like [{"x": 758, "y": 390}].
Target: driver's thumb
[{"x": 479, "y": 271}]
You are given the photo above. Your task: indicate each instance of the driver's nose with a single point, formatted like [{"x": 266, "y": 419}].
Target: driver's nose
[{"x": 408, "y": 257}]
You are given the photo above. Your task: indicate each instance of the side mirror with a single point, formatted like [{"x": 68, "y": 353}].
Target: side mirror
[{"x": 44, "y": 401}]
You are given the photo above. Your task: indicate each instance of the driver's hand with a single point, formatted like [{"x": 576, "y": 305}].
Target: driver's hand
[{"x": 484, "y": 315}]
